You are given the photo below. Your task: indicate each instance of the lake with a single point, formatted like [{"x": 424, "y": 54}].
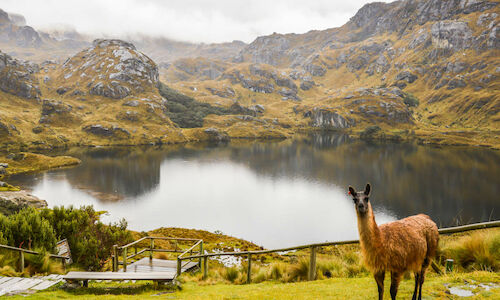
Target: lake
[{"x": 276, "y": 193}]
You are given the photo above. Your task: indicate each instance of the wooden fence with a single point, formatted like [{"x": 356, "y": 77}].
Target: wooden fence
[
  {"x": 314, "y": 248},
  {"x": 22, "y": 251},
  {"x": 151, "y": 249}
]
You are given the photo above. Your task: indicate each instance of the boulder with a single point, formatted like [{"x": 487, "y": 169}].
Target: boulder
[
  {"x": 52, "y": 109},
  {"x": 456, "y": 82},
  {"x": 406, "y": 76},
  {"x": 307, "y": 85},
  {"x": 288, "y": 94},
  {"x": 106, "y": 131},
  {"x": 215, "y": 135},
  {"x": 132, "y": 103}
]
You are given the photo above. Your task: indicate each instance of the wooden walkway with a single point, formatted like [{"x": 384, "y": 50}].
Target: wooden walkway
[
  {"x": 159, "y": 270},
  {"x": 157, "y": 265},
  {"x": 20, "y": 285}
]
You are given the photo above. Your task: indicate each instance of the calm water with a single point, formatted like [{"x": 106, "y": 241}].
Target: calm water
[{"x": 280, "y": 193}]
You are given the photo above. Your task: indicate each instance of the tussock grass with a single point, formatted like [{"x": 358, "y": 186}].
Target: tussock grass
[
  {"x": 477, "y": 251},
  {"x": 232, "y": 274}
]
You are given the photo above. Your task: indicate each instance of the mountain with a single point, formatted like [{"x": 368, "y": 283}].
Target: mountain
[
  {"x": 407, "y": 70},
  {"x": 428, "y": 67}
]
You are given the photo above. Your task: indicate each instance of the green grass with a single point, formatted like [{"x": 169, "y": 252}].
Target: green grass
[{"x": 334, "y": 288}]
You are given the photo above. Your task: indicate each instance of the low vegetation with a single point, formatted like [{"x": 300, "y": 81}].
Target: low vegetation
[
  {"x": 479, "y": 251},
  {"x": 90, "y": 240},
  {"x": 185, "y": 111}
]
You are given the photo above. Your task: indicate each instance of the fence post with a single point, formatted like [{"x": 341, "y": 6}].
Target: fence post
[
  {"x": 21, "y": 261},
  {"x": 249, "y": 271},
  {"x": 312, "y": 264},
  {"x": 205, "y": 267},
  {"x": 152, "y": 246},
  {"x": 201, "y": 253},
  {"x": 115, "y": 258},
  {"x": 179, "y": 266},
  {"x": 124, "y": 253},
  {"x": 63, "y": 261}
]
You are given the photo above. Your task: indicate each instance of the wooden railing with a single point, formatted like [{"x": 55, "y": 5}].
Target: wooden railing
[
  {"x": 22, "y": 251},
  {"x": 151, "y": 249},
  {"x": 314, "y": 248}
]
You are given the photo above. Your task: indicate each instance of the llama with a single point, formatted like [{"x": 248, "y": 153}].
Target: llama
[{"x": 404, "y": 245}]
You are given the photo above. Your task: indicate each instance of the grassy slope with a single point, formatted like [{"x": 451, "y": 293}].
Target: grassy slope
[{"x": 335, "y": 288}]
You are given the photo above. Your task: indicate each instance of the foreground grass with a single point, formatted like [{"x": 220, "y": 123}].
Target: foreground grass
[{"x": 335, "y": 288}]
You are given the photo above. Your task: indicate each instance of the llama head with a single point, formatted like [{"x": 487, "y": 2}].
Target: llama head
[{"x": 361, "y": 199}]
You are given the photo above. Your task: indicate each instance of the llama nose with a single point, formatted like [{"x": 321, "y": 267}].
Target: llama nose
[{"x": 361, "y": 206}]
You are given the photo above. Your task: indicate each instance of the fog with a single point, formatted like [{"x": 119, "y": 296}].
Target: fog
[{"x": 185, "y": 20}]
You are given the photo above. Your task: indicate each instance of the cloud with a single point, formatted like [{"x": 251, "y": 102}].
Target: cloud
[{"x": 186, "y": 20}]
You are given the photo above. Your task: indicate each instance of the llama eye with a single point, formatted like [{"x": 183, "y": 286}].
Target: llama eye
[{"x": 367, "y": 199}]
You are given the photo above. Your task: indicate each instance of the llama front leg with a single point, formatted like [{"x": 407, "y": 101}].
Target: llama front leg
[
  {"x": 395, "y": 279},
  {"x": 417, "y": 283},
  {"x": 379, "y": 278}
]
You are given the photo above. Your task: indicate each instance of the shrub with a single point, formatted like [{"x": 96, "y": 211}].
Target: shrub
[
  {"x": 370, "y": 131},
  {"x": 186, "y": 112},
  {"x": 410, "y": 100},
  {"x": 90, "y": 240},
  {"x": 28, "y": 229}
]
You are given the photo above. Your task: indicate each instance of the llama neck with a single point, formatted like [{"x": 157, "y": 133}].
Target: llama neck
[{"x": 369, "y": 233}]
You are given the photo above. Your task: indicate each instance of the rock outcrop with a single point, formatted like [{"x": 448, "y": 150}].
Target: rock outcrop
[
  {"x": 325, "y": 118},
  {"x": 15, "y": 200},
  {"x": 17, "y": 77},
  {"x": 111, "y": 68},
  {"x": 107, "y": 131},
  {"x": 53, "y": 110}
]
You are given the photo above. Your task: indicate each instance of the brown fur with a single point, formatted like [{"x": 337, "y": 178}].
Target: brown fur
[
  {"x": 405, "y": 245},
  {"x": 398, "y": 246}
]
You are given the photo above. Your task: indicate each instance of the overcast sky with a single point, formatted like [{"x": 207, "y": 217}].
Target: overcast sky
[{"x": 186, "y": 20}]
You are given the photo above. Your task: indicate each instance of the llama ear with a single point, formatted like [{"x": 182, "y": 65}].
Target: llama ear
[
  {"x": 367, "y": 189},
  {"x": 352, "y": 192}
]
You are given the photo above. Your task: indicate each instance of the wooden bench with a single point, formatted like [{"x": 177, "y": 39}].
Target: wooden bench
[{"x": 160, "y": 277}]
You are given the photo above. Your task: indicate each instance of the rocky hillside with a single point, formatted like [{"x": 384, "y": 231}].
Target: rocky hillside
[
  {"x": 411, "y": 69},
  {"x": 428, "y": 68}
]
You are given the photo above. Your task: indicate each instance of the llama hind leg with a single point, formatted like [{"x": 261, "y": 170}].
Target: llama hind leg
[
  {"x": 379, "y": 278},
  {"x": 395, "y": 279},
  {"x": 421, "y": 277},
  {"x": 417, "y": 283}
]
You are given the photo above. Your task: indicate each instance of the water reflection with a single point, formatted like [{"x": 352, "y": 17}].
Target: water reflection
[{"x": 277, "y": 193}]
